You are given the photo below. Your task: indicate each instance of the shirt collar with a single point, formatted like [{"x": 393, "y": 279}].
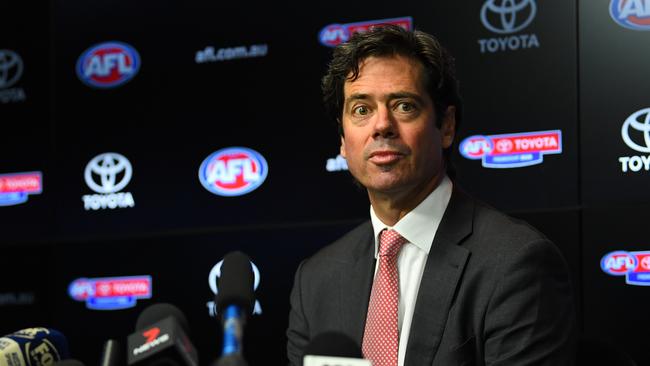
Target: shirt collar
[{"x": 419, "y": 226}]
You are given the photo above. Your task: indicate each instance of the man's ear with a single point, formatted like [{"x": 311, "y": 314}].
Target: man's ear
[
  {"x": 343, "y": 147},
  {"x": 448, "y": 127}
]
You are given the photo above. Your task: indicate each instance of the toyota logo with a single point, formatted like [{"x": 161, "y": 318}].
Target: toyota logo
[
  {"x": 504, "y": 145},
  {"x": 108, "y": 173},
  {"x": 11, "y": 68},
  {"x": 639, "y": 121},
  {"x": 507, "y": 16}
]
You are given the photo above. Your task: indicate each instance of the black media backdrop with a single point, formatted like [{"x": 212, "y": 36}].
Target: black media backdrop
[{"x": 572, "y": 68}]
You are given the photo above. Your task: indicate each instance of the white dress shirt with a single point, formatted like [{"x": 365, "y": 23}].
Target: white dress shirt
[{"x": 419, "y": 228}]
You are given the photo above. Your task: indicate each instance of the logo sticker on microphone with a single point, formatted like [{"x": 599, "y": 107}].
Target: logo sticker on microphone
[
  {"x": 215, "y": 273},
  {"x": 151, "y": 340},
  {"x": 111, "y": 293},
  {"x": 635, "y": 266},
  {"x": 151, "y": 334},
  {"x": 631, "y": 14},
  {"x": 108, "y": 65},
  {"x": 233, "y": 171},
  {"x": 513, "y": 150},
  {"x": 43, "y": 346},
  {"x": 315, "y": 360}
]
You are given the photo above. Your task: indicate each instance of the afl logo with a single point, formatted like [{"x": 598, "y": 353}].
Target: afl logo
[
  {"x": 233, "y": 171},
  {"x": 631, "y": 14},
  {"x": 333, "y": 35},
  {"x": 108, "y": 65},
  {"x": 475, "y": 147},
  {"x": 618, "y": 263}
]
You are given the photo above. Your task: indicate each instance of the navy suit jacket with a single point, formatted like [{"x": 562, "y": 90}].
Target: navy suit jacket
[{"x": 494, "y": 291}]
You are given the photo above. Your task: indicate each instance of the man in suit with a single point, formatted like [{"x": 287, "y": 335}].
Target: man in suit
[{"x": 462, "y": 284}]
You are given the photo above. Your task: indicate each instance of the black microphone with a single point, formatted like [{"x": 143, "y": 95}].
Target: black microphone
[
  {"x": 235, "y": 300},
  {"x": 161, "y": 338},
  {"x": 33, "y": 347},
  {"x": 333, "y": 349}
]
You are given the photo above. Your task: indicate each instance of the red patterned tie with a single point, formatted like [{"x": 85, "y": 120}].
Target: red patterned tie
[{"x": 381, "y": 336}]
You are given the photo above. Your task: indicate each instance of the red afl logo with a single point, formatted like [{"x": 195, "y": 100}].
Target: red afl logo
[
  {"x": 233, "y": 171},
  {"x": 334, "y": 34},
  {"x": 631, "y": 14},
  {"x": 475, "y": 147},
  {"x": 108, "y": 64},
  {"x": 618, "y": 263}
]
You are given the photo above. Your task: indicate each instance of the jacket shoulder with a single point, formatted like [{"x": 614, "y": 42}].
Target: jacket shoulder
[
  {"x": 347, "y": 248},
  {"x": 494, "y": 223}
]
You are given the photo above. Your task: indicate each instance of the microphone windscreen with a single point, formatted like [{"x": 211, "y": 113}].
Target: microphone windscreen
[
  {"x": 235, "y": 283},
  {"x": 159, "y": 311},
  {"x": 31, "y": 346},
  {"x": 333, "y": 344}
]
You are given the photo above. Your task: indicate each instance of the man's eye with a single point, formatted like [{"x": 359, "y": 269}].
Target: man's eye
[
  {"x": 360, "y": 110},
  {"x": 405, "y": 107}
]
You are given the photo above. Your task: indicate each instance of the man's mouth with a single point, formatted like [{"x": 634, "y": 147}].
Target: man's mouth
[{"x": 382, "y": 157}]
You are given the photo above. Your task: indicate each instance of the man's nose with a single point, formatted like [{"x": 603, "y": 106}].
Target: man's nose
[{"x": 385, "y": 124}]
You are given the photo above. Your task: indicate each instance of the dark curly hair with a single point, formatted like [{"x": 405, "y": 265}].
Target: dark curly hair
[{"x": 389, "y": 40}]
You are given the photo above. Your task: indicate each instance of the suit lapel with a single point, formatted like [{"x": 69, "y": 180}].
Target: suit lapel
[
  {"x": 355, "y": 284},
  {"x": 443, "y": 269}
]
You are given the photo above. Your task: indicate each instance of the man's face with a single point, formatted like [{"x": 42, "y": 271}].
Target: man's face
[{"x": 391, "y": 141}]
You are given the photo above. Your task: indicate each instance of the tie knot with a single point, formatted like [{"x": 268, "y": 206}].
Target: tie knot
[{"x": 390, "y": 242}]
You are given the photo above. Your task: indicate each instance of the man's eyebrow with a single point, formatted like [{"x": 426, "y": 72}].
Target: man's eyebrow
[
  {"x": 391, "y": 96},
  {"x": 401, "y": 95},
  {"x": 356, "y": 96}
]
